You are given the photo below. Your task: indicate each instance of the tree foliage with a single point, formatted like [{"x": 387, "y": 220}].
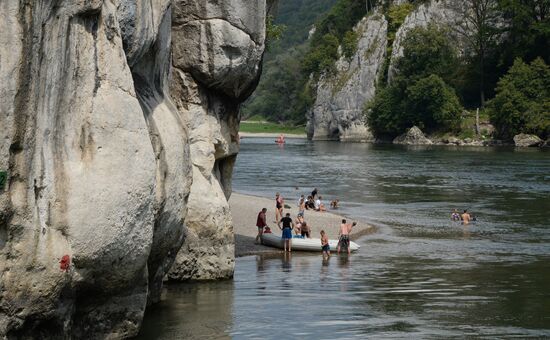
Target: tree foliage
[
  {"x": 522, "y": 101},
  {"x": 332, "y": 31},
  {"x": 479, "y": 26},
  {"x": 273, "y": 32},
  {"x": 527, "y": 30},
  {"x": 419, "y": 94}
]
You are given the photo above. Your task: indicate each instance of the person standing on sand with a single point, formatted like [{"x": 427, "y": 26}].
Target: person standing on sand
[
  {"x": 279, "y": 204},
  {"x": 324, "y": 245},
  {"x": 288, "y": 225},
  {"x": 261, "y": 222},
  {"x": 301, "y": 206},
  {"x": 314, "y": 193},
  {"x": 465, "y": 217},
  {"x": 305, "y": 229},
  {"x": 345, "y": 231}
]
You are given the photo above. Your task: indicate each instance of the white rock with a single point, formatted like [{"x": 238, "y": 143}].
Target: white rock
[
  {"x": 338, "y": 110},
  {"x": 414, "y": 136},
  {"x": 526, "y": 140}
]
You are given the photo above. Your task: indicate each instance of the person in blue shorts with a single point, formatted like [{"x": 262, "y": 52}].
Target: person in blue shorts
[
  {"x": 288, "y": 225},
  {"x": 324, "y": 245}
]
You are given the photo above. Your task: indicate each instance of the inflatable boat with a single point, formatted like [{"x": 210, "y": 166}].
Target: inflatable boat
[{"x": 303, "y": 244}]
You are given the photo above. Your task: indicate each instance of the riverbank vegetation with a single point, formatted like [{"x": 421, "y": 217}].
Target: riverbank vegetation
[
  {"x": 258, "y": 124},
  {"x": 436, "y": 85}
]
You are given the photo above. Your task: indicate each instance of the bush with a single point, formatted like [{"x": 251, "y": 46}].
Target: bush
[
  {"x": 336, "y": 27},
  {"x": 323, "y": 57},
  {"x": 386, "y": 114},
  {"x": 427, "y": 51},
  {"x": 433, "y": 105},
  {"x": 349, "y": 44},
  {"x": 522, "y": 101}
]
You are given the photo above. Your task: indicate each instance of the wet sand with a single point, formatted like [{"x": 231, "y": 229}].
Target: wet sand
[{"x": 245, "y": 209}]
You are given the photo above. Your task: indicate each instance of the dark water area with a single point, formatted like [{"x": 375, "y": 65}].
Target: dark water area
[{"x": 419, "y": 276}]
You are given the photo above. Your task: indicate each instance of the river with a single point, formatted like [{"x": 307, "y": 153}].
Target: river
[{"x": 419, "y": 276}]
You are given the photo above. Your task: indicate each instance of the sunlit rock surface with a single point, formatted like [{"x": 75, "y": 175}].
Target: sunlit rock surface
[
  {"x": 338, "y": 110},
  {"x": 217, "y": 53},
  {"x": 99, "y": 160}
]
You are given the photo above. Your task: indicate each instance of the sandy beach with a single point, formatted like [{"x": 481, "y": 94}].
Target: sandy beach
[{"x": 245, "y": 208}]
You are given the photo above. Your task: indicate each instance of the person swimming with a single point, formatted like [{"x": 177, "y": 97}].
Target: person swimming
[
  {"x": 466, "y": 218},
  {"x": 455, "y": 216}
]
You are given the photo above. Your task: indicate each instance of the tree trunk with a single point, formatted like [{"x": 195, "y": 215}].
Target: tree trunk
[
  {"x": 477, "y": 122},
  {"x": 482, "y": 78}
]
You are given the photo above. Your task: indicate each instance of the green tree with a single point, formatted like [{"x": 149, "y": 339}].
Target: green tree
[
  {"x": 528, "y": 30},
  {"x": 349, "y": 44},
  {"x": 273, "y": 32},
  {"x": 522, "y": 101},
  {"x": 427, "y": 51},
  {"x": 419, "y": 93},
  {"x": 478, "y": 23},
  {"x": 386, "y": 114},
  {"x": 433, "y": 105}
]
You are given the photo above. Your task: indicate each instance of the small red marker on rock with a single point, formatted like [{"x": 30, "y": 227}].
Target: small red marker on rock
[{"x": 65, "y": 262}]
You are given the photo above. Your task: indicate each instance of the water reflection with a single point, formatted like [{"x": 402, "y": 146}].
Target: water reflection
[
  {"x": 420, "y": 276},
  {"x": 191, "y": 311}
]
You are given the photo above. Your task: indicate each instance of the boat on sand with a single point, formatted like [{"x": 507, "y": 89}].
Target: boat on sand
[{"x": 303, "y": 244}]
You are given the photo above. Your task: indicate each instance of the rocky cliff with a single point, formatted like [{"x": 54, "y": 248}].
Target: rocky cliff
[
  {"x": 337, "y": 113},
  {"x": 105, "y": 166},
  {"x": 338, "y": 110},
  {"x": 218, "y": 48}
]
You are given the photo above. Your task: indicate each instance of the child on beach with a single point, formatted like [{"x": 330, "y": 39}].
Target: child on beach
[{"x": 324, "y": 244}]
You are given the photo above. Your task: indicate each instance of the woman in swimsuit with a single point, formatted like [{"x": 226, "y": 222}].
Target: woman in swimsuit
[{"x": 279, "y": 204}]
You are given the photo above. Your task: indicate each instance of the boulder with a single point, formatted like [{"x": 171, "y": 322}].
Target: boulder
[
  {"x": 451, "y": 140},
  {"x": 526, "y": 140},
  {"x": 414, "y": 136}
]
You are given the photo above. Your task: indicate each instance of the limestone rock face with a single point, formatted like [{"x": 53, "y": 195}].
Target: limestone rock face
[
  {"x": 98, "y": 165},
  {"x": 217, "y": 53},
  {"x": 414, "y": 136},
  {"x": 100, "y": 159},
  {"x": 338, "y": 110},
  {"x": 526, "y": 140},
  {"x": 220, "y": 43}
]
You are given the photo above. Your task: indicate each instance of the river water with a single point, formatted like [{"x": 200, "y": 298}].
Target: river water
[{"x": 419, "y": 276}]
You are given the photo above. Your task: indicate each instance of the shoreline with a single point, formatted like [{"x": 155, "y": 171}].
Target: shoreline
[
  {"x": 245, "y": 208},
  {"x": 435, "y": 142},
  {"x": 271, "y": 135}
]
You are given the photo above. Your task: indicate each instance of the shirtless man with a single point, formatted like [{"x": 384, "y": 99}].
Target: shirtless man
[
  {"x": 465, "y": 217},
  {"x": 345, "y": 230},
  {"x": 261, "y": 222}
]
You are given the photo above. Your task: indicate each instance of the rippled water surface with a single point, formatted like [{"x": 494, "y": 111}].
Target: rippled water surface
[{"x": 419, "y": 276}]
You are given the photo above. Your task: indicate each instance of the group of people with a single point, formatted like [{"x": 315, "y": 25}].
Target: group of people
[
  {"x": 465, "y": 217},
  {"x": 300, "y": 227}
]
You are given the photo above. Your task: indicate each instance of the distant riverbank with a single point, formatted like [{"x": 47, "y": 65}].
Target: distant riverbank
[
  {"x": 245, "y": 208},
  {"x": 270, "y": 135}
]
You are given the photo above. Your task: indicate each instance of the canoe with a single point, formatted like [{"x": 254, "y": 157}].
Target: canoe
[{"x": 303, "y": 244}]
